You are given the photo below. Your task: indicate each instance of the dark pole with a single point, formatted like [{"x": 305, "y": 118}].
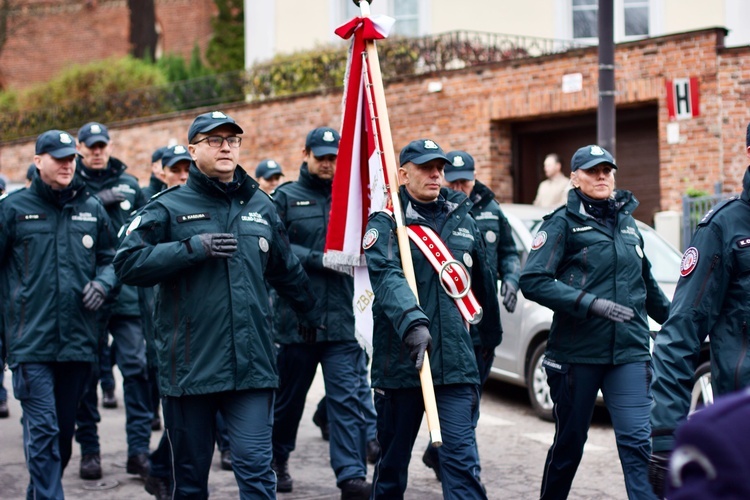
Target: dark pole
[{"x": 605, "y": 122}]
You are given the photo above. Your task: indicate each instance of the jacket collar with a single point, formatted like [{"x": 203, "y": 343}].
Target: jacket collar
[
  {"x": 57, "y": 197},
  {"x": 451, "y": 199},
  {"x": 625, "y": 203},
  {"x": 200, "y": 182},
  {"x": 481, "y": 195},
  {"x": 746, "y": 186},
  {"x": 114, "y": 169},
  {"x": 313, "y": 182}
]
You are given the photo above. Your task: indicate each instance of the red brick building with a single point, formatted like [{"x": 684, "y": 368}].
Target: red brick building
[
  {"x": 81, "y": 31},
  {"x": 509, "y": 115}
]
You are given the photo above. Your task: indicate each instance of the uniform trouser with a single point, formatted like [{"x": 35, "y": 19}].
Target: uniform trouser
[
  {"x": 49, "y": 394},
  {"x": 371, "y": 418},
  {"x": 153, "y": 384},
  {"x": 484, "y": 364},
  {"x": 190, "y": 426},
  {"x": 3, "y": 391},
  {"x": 130, "y": 353},
  {"x": 344, "y": 374},
  {"x": 399, "y": 417},
  {"x": 627, "y": 394},
  {"x": 106, "y": 377},
  {"x": 161, "y": 458}
]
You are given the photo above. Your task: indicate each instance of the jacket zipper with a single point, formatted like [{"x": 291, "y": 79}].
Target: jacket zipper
[
  {"x": 705, "y": 280},
  {"x": 554, "y": 250},
  {"x": 175, "y": 330},
  {"x": 584, "y": 265},
  {"x": 743, "y": 352}
]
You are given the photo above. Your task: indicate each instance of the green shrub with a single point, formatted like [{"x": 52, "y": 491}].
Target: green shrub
[{"x": 93, "y": 81}]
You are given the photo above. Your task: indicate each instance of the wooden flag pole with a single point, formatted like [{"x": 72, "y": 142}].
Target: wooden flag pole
[{"x": 425, "y": 374}]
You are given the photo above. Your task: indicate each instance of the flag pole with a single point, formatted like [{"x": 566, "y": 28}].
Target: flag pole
[{"x": 425, "y": 374}]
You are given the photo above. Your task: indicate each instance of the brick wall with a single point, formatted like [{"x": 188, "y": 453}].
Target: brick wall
[
  {"x": 477, "y": 107},
  {"x": 84, "y": 31}
]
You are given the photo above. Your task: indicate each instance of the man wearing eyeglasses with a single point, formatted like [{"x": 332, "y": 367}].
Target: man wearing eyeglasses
[
  {"x": 304, "y": 206},
  {"x": 211, "y": 246}
]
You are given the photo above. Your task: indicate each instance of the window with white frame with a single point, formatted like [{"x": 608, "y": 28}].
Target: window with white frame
[
  {"x": 633, "y": 19},
  {"x": 409, "y": 14},
  {"x": 635, "y": 16},
  {"x": 585, "y": 18},
  {"x": 406, "y": 13}
]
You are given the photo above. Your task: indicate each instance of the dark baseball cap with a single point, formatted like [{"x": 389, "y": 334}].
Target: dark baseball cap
[
  {"x": 156, "y": 155},
  {"x": 93, "y": 133},
  {"x": 175, "y": 154},
  {"x": 209, "y": 121},
  {"x": 590, "y": 156},
  {"x": 57, "y": 143},
  {"x": 30, "y": 172},
  {"x": 267, "y": 169},
  {"x": 323, "y": 141},
  {"x": 421, "y": 151},
  {"x": 460, "y": 166}
]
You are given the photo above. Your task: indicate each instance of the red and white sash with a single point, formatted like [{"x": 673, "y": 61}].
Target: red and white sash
[{"x": 455, "y": 277}]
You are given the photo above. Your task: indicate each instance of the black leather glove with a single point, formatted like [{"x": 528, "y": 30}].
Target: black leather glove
[
  {"x": 510, "y": 296},
  {"x": 218, "y": 245},
  {"x": 611, "y": 310},
  {"x": 93, "y": 295},
  {"x": 418, "y": 340},
  {"x": 309, "y": 332},
  {"x": 110, "y": 197},
  {"x": 658, "y": 467}
]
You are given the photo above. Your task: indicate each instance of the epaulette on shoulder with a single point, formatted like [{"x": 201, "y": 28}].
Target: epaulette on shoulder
[
  {"x": 384, "y": 211},
  {"x": 164, "y": 191},
  {"x": 719, "y": 206},
  {"x": 282, "y": 185},
  {"x": 553, "y": 212}
]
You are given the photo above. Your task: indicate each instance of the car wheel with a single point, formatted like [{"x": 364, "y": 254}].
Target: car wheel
[
  {"x": 702, "y": 394},
  {"x": 536, "y": 384}
]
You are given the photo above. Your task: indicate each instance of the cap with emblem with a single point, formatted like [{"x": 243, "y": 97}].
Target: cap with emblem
[
  {"x": 461, "y": 166},
  {"x": 57, "y": 143},
  {"x": 590, "y": 156},
  {"x": 156, "y": 155},
  {"x": 93, "y": 133},
  {"x": 421, "y": 151},
  {"x": 267, "y": 169},
  {"x": 174, "y": 154},
  {"x": 209, "y": 121},
  {"x": 323, "y": 141}
]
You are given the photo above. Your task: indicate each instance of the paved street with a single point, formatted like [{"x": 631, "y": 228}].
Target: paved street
[{"x": 512, "y": 445}]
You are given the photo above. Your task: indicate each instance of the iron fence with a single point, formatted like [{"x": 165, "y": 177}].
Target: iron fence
[
  {"x": 695, "y": 208},
  {"x": 287, "y": 75}
]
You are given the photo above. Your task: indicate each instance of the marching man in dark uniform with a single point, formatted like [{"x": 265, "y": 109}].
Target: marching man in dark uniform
[
  {"x": 303, "y": 207},
  {"x": 501, "y": 256},
  {"x": 711, "y": 300},
  {"x": 56, "y": 249},
  {"x": 211, "y": 246},
  {"x": 106, "y": 177},
  {"x": 406, "y": 327}
]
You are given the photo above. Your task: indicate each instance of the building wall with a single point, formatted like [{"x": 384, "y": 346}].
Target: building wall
[
  {"x": 46, "y": 37},
  {"x": 477, "y": 107}
]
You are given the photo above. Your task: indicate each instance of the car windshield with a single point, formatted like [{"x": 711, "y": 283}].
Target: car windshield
[{"x": 665, "y": 260}]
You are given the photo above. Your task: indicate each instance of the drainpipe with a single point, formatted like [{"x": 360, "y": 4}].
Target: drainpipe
[{"x": 605, "y": 115}]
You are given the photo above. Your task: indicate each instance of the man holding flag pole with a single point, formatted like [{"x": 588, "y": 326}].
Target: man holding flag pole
[{"x": 410, "y": 320}]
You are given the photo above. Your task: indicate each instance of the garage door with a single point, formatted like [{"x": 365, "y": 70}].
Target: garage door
[{"x": 637, "y": 153}]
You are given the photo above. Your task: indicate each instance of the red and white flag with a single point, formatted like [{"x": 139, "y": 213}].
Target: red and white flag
[{"x": 359, "y": 186}]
